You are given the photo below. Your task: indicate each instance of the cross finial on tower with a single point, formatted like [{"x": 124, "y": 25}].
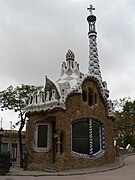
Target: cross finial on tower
[{"x": 91, "y": 8}]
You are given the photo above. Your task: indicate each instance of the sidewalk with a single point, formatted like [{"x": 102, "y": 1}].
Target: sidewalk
[{"x": 119, "y": 162}]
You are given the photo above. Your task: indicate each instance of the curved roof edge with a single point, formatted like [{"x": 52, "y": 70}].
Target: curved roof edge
[
  {"x": 38, "y": 103},
  {"x": 78, "y": 89}
]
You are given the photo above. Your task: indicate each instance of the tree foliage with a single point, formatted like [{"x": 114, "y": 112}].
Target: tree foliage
[
  {"x": 119, "y": 103},
  {"x": 16, "y": 99},
  {"x": 124, "y": 124}
]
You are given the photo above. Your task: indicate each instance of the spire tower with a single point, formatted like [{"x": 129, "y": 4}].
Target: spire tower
[{"x": 93, "y": 67}]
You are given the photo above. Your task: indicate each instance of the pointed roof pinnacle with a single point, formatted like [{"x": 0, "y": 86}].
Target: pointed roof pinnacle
[
  {"x": 70, "y": 55},
  {"x": 91, "y": 18},
  {"x": 90, "y": 9}
]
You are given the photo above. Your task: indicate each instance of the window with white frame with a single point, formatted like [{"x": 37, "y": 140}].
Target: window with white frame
[
  {"x": 87, "y": 136},
  {"x": 43, "y": 137}
]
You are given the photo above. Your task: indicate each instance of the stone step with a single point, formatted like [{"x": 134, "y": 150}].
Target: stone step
[{"x": 50, "y": 168}]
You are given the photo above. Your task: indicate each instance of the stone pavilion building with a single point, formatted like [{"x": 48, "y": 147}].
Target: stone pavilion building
[{"x": 70, "y": 122}]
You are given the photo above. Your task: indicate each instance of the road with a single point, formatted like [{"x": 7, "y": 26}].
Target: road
[{"x": 127, "y": 172}]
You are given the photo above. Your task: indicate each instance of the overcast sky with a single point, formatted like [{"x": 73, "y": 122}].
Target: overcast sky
[{"x": 36, "y": 34}]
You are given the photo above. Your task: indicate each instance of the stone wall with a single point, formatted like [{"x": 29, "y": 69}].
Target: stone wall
[{"x": 75, "y": 109}]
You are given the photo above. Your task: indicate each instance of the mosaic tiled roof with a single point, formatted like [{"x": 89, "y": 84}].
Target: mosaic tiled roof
[{"x": 71, "y": 79}]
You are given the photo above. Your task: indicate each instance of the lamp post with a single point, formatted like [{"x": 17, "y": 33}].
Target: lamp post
[
  {"x": 1, "y": 135},
  {"x": 11, "y": 153}
]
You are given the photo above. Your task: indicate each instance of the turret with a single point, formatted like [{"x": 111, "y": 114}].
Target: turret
[
  {"x": 93, "y": 67},
  {"x": 70, "y": 67}
]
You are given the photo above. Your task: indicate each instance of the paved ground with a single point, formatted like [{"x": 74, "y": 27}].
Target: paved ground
[{"x": 126, "y": 172}]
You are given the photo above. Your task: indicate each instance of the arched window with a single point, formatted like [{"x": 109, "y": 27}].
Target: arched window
[
  {"x": 95, "y": 98},
  {"x": 84, "y": 96},
  {"x": 87, "y": 137},
  {"x": 90, "y": 97}
]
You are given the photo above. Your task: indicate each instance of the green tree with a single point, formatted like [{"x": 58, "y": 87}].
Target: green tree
[
  {"x": 16, "y": 99},
  {"x": 124, "y": 124}
]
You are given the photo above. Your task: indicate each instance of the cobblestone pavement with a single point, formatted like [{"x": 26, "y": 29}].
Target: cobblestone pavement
[{"x": 125, "y": 171}]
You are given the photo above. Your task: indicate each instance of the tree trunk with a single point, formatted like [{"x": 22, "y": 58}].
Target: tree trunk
[
  {"x": 20, "y": 147},
  {"x": 20, "y": 138}
]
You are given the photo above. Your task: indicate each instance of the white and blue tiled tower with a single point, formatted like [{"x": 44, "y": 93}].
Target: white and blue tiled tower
[{"x": 93, "y": 67}]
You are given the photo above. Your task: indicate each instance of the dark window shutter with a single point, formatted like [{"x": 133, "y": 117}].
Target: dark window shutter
[
  {"x": 42, "y": 136},
  {"x": 80, "y": 137}
]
